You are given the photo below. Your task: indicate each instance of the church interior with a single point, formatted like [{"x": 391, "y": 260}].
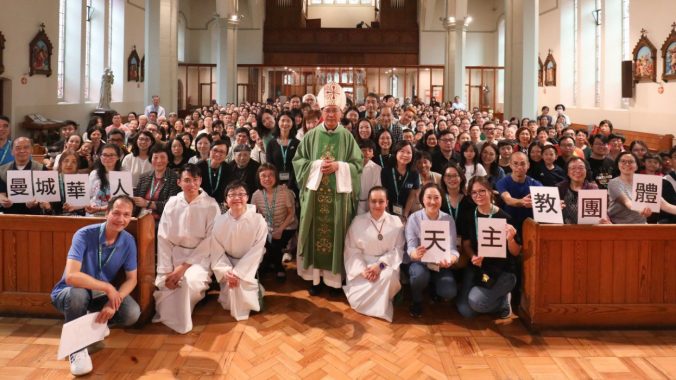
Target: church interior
[{"x": 510, "y": 58}]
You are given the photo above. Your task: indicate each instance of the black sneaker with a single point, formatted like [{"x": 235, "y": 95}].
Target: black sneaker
[
  {"x": 506, "y": 310},
  {"x": 314, "y": 290},
  {"x": 335, "y": 292},
  {"x": 415, "y": 310}
]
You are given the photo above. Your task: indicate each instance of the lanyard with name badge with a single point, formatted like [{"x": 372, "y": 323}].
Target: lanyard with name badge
[
  {"x": 218, "y": 180},
  {"x": 397, "y": 208},
  {"x": 269, "y": 211},
  {"x": 476, "y": 220},
  {"x": 450, "y": 207},
  {"x": 155, "y": 185},
  {"x": 284, "y": 175},
  {"x": 110, "y": 256}
]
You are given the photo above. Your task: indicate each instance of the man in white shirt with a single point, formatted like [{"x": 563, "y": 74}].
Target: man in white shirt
[
  {"x": 155, "y": 107},
  {"x": 183, "y": 273},
  {"x": 458, "y": 105}
]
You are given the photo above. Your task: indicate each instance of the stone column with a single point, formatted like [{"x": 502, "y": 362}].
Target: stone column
[
  {"x": 161, "y": 52},
  {"x": 226, "y": 54},
  {"x": 454, "y": 62},
  {"x": 521, "y": 58}
]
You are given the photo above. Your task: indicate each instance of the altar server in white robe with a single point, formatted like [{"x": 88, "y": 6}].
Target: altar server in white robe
[
  {"x": 236, "y": 249},
  {"x": 370, "y": 175},
  {"x": 374, "y": 248},
  {"x": 183, "y": 274}
]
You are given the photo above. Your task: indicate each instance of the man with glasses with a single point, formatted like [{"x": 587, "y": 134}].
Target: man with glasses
[
  {"x": 446, "y": 153},
  {"x": 22, "y": 149},
  {"x": 183, "y": 273},
  {"x": 567, "y": 150},
  {"x": 328, "y": 164},
  {"x": 602, "y": 167},
  {"x": 237, "y": 245},
  {"x": 489, "y": 134}
]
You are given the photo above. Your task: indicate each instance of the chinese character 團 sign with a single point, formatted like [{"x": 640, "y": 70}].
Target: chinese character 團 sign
[
  {"x": 592, "y": 205},
  {"x": 546, "y": 204}
]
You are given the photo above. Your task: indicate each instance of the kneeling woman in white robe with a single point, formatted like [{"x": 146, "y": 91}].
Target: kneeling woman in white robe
[
  {"x": 374, "y": 248},
  {"x": 183, "y": 252},
  {"x": 237, "y": 248}
]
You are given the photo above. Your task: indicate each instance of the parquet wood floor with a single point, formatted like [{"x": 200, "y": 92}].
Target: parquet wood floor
[{"x": 316, "y": 338}]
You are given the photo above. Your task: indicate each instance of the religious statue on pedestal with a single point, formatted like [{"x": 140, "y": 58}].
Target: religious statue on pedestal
[{"x": 106, "y": 83}]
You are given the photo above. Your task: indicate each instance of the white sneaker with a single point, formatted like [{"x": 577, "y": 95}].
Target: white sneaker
[
  {"x": 80, "y": 363},
  {"x": 286, "y": 258}
]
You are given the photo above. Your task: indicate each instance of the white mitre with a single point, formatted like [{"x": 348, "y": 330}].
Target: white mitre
[{"x": 331, "y": 95}]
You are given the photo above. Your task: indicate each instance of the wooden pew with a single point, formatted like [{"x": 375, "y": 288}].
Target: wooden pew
[
  {"x": 599, "y": 276},
  {"x": 656, "y": 143},
  {"x": 33, "y": 251}
]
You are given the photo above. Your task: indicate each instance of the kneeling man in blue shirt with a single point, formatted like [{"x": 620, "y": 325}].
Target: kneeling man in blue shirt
[{"x": 95, "y": 257}]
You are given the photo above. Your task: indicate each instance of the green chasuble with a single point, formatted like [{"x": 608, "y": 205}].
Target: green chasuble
[{"x": 325, "y": 214}]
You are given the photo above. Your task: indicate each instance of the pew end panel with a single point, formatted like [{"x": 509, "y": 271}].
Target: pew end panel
[
  {"x": 601, "y": 276},
  {"x": 33, "y": 251}
]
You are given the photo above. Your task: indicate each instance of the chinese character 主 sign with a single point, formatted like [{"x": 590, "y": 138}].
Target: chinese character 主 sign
[
  {"x": 592, "y": 205},
  {"x": 491, "y": 237},
  {"x": 435, "y": 236},
  {"x": 546, "y": 204},
  {"x": 646, "y": 191}
]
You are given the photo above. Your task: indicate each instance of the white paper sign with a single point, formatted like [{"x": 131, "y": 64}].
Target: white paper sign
[
  {"x": 76, "y": 187},
  {"x": 546, "y": 204},
  {"x": 646, "y": 191},
  {"x": 80, "y": 333},
  {"x": 592, "y": 205},
  {"x": 120, "y": 184},
  {"x": 491, "y": 238},
  {"x": 435, "y": 235},
  {"x": 46, "y": 186},
  {"x": 20, "y": 186}
]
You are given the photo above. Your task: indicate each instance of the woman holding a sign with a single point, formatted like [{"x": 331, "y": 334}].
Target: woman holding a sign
[
  {"x": 431, "y": 249},
  {"x": 627, "y": 193},
  {"x": 488, "y": 282},
  {"x": 99, "y": 182},
  {"x": 569, "y": 190},
  {"x": 67, "y": 164}
]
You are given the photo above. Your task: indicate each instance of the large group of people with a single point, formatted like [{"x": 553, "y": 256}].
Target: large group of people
[{"x": 238, "y": 190}]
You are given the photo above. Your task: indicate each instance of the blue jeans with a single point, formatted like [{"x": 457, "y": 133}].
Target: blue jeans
[
  {"x": 76, "y": 302},
  {"x": 474, "y": 300},
  {"x": 420, "y": 276}
]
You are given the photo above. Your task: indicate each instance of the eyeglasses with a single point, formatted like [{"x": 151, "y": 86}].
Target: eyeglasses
[
  {"x": 219, "y": 151},
  {"x": 446, "y": 140},
  {"x": 577, "y": 168},
  {"x": 481, "y": 192},
  {"x": 238, "y": 195}
]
